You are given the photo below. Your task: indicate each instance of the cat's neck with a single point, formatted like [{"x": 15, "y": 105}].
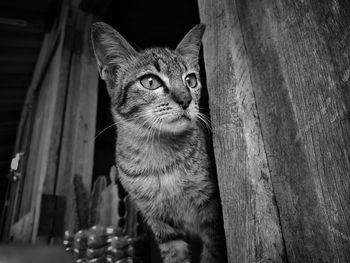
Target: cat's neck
[
  {"x": 141, "y": 153},
  {"x": 156, "y": 141}
]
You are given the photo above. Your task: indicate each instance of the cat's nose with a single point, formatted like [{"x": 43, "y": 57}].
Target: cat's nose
[{"x": 183, "y": 98}]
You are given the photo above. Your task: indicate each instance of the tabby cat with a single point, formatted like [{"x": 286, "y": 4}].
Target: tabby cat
[{"x": 161, "y": 149}]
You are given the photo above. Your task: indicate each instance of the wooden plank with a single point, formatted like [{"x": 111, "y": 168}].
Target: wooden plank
[
  {"x": 51, "y": 216},
  {"x": 299, "y": 62},
  {"x": 40, "y": 140},
  {"x": 251, "y": 220},
  {"x": 79, "y": 130},
  {"x": 21, "y": 230},
  {"x": 62, "y": 86},
  {"x": 33, "y": 137},
  {"x": 53, "y": 125}
]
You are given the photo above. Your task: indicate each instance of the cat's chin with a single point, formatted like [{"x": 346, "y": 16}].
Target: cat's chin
[{"x": 177, "y": 126}]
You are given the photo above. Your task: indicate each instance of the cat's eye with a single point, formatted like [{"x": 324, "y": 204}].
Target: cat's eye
[
  {"x": 191, "y": 80},
  {"x": 150, "y": 82}
]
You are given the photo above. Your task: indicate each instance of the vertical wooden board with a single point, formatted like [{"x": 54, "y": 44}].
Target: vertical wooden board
[
  {"x": 300, "y": 68},
  {"x": 40, "y": 114},
  {"x": 35, "y": 150},
  {"x": 80, "y": 118},
  {"x": 52, "y": 113},
  {"x": 40, "y": 145},
  {"x": 252, "y": 227},
  {"x": 21, "y": 231},
  {"x": 61, "y": 97}
]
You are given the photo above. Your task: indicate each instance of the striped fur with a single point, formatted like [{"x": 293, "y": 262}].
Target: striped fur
[{"x": 161, "y": 151}]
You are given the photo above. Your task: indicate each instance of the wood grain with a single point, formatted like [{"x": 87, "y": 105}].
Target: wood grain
[
  {"x": 77, "y": 146},
  {"x": 252, "y": 227},
  {"x": 297, "y": 69},
  {"x": 300, "y": 66}
]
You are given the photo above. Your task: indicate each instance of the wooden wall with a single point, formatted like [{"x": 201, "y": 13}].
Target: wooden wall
[
  {"x": 61, "y": 127},
  {"x": 278, "y": 77}
]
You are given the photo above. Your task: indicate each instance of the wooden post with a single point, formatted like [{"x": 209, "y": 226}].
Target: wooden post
[
  {"x": 78, "y": 139},
  {"x": 61, "y": 133},
  {"x": 36, "y": 132},
  {"x": 294, "y": 56},
  {"x": 251, "y": 222}
]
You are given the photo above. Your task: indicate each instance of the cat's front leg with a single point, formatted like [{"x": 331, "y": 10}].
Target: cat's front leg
[{"x": 173, "y": 249}]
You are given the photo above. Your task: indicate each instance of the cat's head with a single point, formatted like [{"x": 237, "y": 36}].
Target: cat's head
[{"x": 155, "y": 89}]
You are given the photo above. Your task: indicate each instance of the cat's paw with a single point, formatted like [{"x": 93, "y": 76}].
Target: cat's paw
[{"x": 175, "y": 251}]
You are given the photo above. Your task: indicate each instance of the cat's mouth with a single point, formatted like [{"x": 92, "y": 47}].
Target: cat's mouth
[
  {"x": 182, "y": 117},
  {"x": 177, "y": 123}
]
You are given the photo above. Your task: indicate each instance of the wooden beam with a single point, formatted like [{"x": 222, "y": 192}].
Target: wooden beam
[
  {"x": 77, "y": 149},
  {"x": 300, "y": 73},
  {"x": 251, "y": 221},
  {"x": 36, "y": 131}
]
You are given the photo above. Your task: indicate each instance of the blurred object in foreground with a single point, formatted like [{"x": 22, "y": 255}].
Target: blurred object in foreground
[
  {"x": 102, "y": 244},
  {"x": 33, "y": 254}
]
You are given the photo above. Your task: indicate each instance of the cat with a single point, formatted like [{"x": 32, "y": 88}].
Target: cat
[{"x": 161, "y": 151}]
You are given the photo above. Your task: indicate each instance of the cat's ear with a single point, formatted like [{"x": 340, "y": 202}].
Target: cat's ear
[
  {"x": 191, "y": 43},
  {"x": 110, "y": 47}
]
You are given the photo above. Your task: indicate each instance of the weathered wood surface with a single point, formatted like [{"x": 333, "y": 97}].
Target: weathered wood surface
[
  {"x": 251, "y": 220},
  {"x": 298, "y": 65},
  {"x": 43, "y": 100},
  {"x": 77, "y": 146},
  {"x": 21, "y": 191},
  {"x": 64, "y": 101}
]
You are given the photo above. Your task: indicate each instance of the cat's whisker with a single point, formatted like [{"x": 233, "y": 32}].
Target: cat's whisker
[
  {"x": 155, "y": 130},
  {"x": 203, "y": 119},
  {"x": 150, "y": 132},
  {"x": 105, "y": 129},
  {"x": 206, "y": 118},
  {"x": 116, "y": 122},
  {"x": 160, "y": 129}
]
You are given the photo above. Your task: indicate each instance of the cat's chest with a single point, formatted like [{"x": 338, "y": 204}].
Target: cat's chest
[{"x": 157, "y": 186}]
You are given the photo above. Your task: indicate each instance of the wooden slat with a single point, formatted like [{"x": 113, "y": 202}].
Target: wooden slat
[
  {"x": 21, "y": 231},
  {"x": 52, "y": 124},
  {"x": 252, "y": 228},
  {"x": 300, "y": 68},
  {"x": 78, "y": 137},
  {"x": 33, "y": 137}
]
